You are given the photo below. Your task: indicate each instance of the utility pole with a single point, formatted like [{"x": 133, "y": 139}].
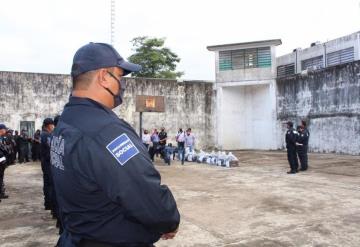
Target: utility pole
[{"x": 112, "y": 22}]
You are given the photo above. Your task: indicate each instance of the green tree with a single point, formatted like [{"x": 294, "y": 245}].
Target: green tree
[{"x": 156, "y": 61}]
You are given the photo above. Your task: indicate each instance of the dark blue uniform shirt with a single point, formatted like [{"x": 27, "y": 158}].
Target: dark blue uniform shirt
[
  {"x": 107, "y": 187},
  {"x": 45, "y": 138},
  {"x": 290, "y": 138}
]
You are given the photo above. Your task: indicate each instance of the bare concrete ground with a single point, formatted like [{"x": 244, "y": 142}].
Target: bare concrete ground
[{"x": 255, "y": 204}]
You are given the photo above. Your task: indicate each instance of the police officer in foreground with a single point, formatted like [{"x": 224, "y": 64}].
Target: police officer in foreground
[
  {"x": 290, "y": 139},
  {"x": 109, "y": 192}
]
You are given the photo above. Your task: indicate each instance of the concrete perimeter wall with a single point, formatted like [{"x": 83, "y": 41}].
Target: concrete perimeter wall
[
  {"x": 35, "y": 96},
  {"x": 330, "y": 100}
]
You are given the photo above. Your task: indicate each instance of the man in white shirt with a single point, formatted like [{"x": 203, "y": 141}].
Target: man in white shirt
[
  {"x": 180, "y": 138},
  {"x": 189, "y": 140},
  {"x": 146, "y": 138}
]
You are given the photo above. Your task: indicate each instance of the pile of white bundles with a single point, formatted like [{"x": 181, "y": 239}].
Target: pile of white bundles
[{"x": 219, "y": 158}]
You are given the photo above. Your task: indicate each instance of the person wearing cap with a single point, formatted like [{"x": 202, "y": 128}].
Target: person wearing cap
[
  {"x": 4, "y": 161},
  {"x": 45, "y": 138},
  {"x": 302, "y": 141},
  {"x": 109, "y": 192},
  {"x": 35, "y": 148},
  {"x": 290, "y": 139}
]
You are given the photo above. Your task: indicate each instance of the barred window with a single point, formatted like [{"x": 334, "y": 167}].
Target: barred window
[
  {"x": 312, "y": 63},
  {"x": 245, "y": 58},
  {"x": 238, "y": 59},
  {"x": 264, "y": 57},
  {"x": 225, "y": 60},
  {"x": 286, "y": 70},
  {"x": 341, "y": 56}
]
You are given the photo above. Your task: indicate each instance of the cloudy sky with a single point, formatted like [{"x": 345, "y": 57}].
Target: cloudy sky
[{"x": 43, "y": 35}]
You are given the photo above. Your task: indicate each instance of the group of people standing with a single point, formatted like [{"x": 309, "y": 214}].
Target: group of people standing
[
  {"x": 156, "y": 143},
  {"x": 17, "y": 146},
  {"x": 20, "y": 146},
  {"x": 297, "y": 146}
]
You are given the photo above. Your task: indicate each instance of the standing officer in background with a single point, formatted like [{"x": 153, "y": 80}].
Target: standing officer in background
[
  {"x": 290, "y": 139},
  {"x": 4, "y": 161},
  {"x": 302, "y": 141},
  {"x": 17, "y": 150},
  {"x": 109, "y": 192},
  {"x": 45, "y": 139}
]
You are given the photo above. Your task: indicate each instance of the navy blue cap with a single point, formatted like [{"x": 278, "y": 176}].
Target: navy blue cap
[
  {"x": 3, "y": 126},
  {"x": 99, "y": 55}
]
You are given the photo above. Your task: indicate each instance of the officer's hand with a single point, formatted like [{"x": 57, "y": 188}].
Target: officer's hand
[{"x": 169, "y": 235}]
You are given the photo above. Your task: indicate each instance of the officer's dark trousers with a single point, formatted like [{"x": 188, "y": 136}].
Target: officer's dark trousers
[
  {"x": 292, "y": 158},
  {"x": 181, "y": 151},
  {"x": 153, "y": 150},
  {"x": 24, "y": 154},
  {"x": 47, "y": 187},
  {"x": 303, "y": 157},
  {"x": 35, "y": 151},
  {"x": 2, "y": 185},
  {"x": 13, "y": 156}
]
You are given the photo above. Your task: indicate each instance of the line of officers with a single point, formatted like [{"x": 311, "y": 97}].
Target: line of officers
[
  {"x": 297, "y": 146},
  {"x": 14, "y": 147},
  {"x": 18, "y": 146},
  {"x": 11, "y": 145}
]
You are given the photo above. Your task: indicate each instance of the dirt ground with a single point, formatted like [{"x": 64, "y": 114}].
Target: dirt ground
[{"x": 255, "y": 204}]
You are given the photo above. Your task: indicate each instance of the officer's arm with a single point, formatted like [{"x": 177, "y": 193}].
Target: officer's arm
[{"x": 128, "y": 177}]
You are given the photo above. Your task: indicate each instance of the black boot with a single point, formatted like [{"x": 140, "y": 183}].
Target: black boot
[{"x": 4, "y": 196}]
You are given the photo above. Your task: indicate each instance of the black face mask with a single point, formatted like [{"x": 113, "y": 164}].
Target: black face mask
[{"x": 118, "y": 98}]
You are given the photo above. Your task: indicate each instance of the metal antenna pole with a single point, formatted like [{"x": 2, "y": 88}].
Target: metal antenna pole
[{"x": 112, "y": 23}]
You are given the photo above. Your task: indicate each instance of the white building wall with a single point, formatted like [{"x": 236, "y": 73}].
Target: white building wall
[{"x": 248, "y": 117}]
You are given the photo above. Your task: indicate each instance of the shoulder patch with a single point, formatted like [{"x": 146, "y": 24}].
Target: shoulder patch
[{"x": 122, "y": 148}]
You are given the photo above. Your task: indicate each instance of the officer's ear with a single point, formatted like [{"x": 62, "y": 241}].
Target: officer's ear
[{"x": 102, "y": 78}]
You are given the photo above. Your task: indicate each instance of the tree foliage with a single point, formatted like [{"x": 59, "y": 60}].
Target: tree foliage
[{"x": 156, "y": 61}]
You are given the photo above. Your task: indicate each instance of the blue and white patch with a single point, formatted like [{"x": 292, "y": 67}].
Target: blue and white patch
[{"x": 122, "y": 148}]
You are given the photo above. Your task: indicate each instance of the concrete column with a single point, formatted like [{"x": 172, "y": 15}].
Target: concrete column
[
  {"x": 272, "y": 91},
  {"x": 357, "y": 47},
  {"x": 218, "y": 121}
]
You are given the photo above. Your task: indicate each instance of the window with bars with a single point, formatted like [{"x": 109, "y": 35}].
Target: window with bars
[
  {"x": 341, "y": 56},
  {"x": 312, "y": 63},
  {"x": 225, "y": 60},
  {"x": 264, "y": 57},
  {"x": 286, "y": 70},
  {"x": 245, "y": 58}
]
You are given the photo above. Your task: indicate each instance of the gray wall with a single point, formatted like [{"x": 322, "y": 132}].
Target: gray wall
[
  {"x": 187, "y": 104},
  {"x": 35, "y": 96},
  {"x": 330, "y": 100},
  {"x": 31, "y": 97}
]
